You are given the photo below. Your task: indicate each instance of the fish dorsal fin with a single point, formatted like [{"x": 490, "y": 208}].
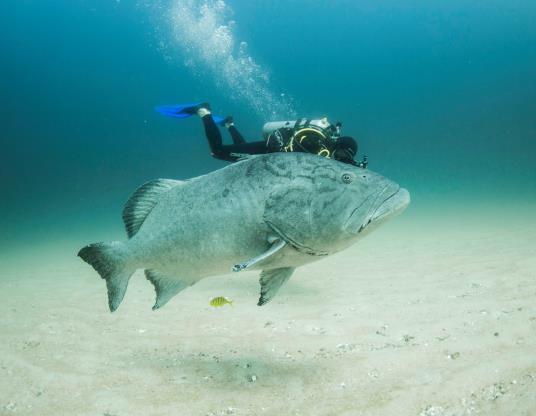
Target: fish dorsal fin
[
  {"x": 271, "y": 281},
  {"x": 165, "y": 286},
  {"x": 143, "y": 201}
]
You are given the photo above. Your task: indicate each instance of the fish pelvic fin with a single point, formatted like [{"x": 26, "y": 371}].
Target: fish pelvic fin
[
  {"x": 165, "y": 286},
  {"x": 271, "y": 281},
  {"x": 110, "y": 260}
]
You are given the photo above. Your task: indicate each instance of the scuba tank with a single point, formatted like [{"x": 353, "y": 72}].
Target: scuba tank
[
  {"x": 321, "y": 125},
  {"x": 302, "y": 135}
]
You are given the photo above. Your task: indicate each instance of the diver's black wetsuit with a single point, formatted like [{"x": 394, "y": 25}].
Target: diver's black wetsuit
[
  {"x": 230, "y": 152},
  {"x": 239, "y": 148}
]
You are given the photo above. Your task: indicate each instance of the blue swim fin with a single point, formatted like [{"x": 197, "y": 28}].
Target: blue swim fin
[
  {"x": 179, "y": 110},
  {"x": 185, "y": 111},
  {"x": 220, "y": 121}
]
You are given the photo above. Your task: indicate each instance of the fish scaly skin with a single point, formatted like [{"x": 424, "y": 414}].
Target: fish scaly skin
[{"x": 272, "y": 213}]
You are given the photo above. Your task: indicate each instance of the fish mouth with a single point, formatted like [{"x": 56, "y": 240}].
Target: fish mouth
[
  {"x": 392, "y": 206},
  {"x": 394, "y": 200}
]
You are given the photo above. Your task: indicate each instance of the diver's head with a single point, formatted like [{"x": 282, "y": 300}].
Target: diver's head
[{"x": 345, "y": 149}]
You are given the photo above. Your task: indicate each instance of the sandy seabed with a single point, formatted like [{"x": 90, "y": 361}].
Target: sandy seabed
[{"x": 430, "y": 316}]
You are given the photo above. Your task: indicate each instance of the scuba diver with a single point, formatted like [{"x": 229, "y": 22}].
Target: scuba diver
[{"x": 302, "y": 135}]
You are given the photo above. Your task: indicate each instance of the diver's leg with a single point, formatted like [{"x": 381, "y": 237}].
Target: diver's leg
[
  {"x": 235, "y": 134},
  {"x": 217, "y": 148},
  {"x": 212, "y": 131},
  {"x": 230, "y": 153},
  {"x": 214, "y": 138},
  {"x": 250, "y": 148},
  {"x": 234, "y": 152}
]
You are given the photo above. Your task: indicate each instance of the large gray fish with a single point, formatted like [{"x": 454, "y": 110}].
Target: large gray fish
[{"x": 273, "y": 213}]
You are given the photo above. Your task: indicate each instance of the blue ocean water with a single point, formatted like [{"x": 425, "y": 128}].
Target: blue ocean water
[
  {"x": 432, "y": 314},
  {"x": 441, "y": 96}
]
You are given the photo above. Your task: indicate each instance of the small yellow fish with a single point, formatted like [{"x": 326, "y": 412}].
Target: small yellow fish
[{"x": 219, "y": 301}]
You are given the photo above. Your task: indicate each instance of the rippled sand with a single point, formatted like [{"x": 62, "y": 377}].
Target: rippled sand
[{"x": 428, "y": 316}]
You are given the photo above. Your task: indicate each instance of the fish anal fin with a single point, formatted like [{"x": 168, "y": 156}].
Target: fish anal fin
[
  {"x": 142, "y": 201},
  {"x": 271, "y": 281},
  {"x": 165, "y": 286}
]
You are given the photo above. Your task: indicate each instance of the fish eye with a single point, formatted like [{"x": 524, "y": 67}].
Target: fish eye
[{"x": 347, "y": 178}]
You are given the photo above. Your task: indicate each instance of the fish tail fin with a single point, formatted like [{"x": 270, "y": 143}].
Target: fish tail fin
[{"x": 110, "y": 260}]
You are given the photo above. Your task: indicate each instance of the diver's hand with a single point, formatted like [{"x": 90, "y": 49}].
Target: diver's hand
[{"x": 364, "y": 163}]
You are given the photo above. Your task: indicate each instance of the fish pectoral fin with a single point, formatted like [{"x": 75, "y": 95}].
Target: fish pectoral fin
[
  {"x": 271, "y": 281},
  {"x": 165, "y": 286},
  {"x": 277, "y": 245}
]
